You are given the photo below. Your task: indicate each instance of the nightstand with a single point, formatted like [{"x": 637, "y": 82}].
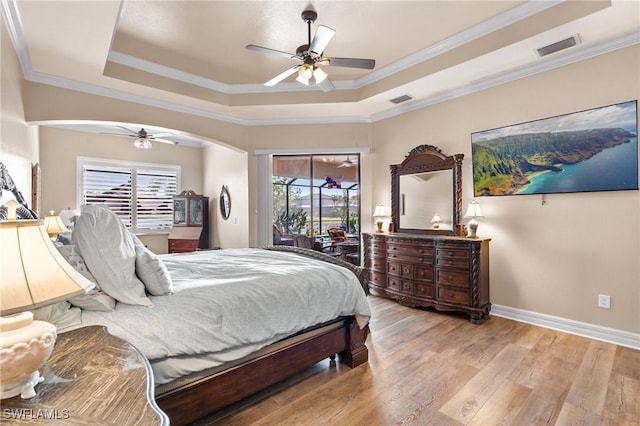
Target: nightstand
[{"x": 92, "y": 377}]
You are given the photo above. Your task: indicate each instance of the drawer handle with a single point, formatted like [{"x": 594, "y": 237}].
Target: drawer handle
[
  {"x": 450, "y": 253},
  {"x": 421, "y": 259},
  {"x": 450, "y": 294},
  {"x": 450, "y": 277},
  {"x": 450, "y": 262}
]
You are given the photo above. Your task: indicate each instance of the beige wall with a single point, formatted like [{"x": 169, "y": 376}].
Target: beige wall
[
  {"x": 18, "y": 142},
  {"x": 554, "y": 258},
  {"x": 227, "y": 166},
  {"x": 59, "y": 150}
]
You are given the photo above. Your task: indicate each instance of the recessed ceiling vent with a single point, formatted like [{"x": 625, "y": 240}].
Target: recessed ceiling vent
[
  {"x": 558, "y": 46},
  {"x": 401, "y": 99}
]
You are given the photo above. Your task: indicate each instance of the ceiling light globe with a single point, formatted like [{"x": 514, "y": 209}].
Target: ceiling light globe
[{"x": 319, "y": 75}]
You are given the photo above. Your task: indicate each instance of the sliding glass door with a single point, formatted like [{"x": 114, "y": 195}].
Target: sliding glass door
[{"x": 315, "y": 193}]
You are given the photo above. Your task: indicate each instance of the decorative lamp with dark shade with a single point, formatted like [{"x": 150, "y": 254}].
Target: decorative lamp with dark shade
[
  {"x": 379, "y": 213},
  {"x": 32, "y": 275},
  {"x": 53, "y": 224},
  {"x": 473, "y": 211}
]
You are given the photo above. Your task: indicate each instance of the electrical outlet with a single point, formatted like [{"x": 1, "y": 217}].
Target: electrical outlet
[{"x": 604, "y": 301}]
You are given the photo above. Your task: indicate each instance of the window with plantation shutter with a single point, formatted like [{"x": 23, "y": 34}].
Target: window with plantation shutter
[{"x": 140, "y": 194}]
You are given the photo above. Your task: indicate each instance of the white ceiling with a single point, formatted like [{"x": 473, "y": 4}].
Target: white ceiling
[{"x": 191, "y": 56}]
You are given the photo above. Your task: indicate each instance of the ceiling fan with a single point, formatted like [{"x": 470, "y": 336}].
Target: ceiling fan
[
  {"x": 143, "y": 139},
  {"x": 347, "y": 163},
  {"x": 310, "y": 56}
]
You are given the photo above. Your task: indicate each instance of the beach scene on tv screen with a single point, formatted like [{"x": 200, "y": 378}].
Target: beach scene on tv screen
[{"x": 592, "y": 150}]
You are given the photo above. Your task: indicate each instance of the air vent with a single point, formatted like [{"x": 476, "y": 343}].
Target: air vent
[
  {"x": 401, "y": 99},
  {"x": 558, "y": 46}
]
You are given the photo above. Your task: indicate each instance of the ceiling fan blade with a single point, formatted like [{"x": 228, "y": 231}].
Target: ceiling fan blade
[
  {"x": 119, "y": 134},
  {"x": 157, "y": 135},
  {"x": 321, "y": 39},
  {"x": 128, "y": 130},
  {"x": 277, "y": 79},
  {"x": 272, "y": 51},
  {"x": 167, "y": 141},
  {"x": 367, "y": 64}
]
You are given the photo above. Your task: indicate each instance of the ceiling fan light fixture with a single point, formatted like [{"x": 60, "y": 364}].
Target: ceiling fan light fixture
[
  {"x": 319, "y": 75},
  {"x": 142, "y": 143},
  {"x": 305, "y": 71}
]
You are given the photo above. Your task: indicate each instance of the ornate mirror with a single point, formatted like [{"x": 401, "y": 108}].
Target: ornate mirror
[
  {"x": 225, "y": 203},
  {"x": 426, "y": 192}
]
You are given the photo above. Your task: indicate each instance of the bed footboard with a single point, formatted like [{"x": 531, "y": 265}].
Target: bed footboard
[{"x": 210, "y": 394}]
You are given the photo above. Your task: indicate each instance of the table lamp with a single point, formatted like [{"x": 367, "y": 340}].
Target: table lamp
[
  {"x": 32, "y": 275},
  {"x": 436, "y": 221},
  {"x": 380, "y": 214},
  {"x": 68, "y": 216},
  {"x": 473, "y": 211},
  {"x": 53, "y": 224}
]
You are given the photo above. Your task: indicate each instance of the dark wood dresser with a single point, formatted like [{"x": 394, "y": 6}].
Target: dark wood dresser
[{"x": 419, "y": 270}]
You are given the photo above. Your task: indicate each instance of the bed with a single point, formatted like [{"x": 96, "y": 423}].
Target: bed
[{"x": 217, "y": 325}]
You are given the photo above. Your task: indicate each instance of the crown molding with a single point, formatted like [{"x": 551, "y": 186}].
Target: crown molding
[{"x": 12, "y": 20}]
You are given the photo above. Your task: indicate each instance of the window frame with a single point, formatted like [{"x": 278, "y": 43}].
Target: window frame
[{"x": 135, "y": 166}]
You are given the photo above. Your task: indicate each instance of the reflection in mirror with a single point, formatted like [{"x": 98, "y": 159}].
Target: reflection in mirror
[{"x": 424, "y": 196}]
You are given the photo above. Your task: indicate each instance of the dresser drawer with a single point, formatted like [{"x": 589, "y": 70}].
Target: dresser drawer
[
  {"x": 378, "y": 264},
  {"x": 416, "y": 251},
  {"x": 393, "y": 283},
  {"x": 181, "y": 246},
  {"x": 393, "y": 268},
  {"x": 378, "y": 279},
  {"x": 423, "y": 273},
  {"x": 453, "y": 295},
  {"x": 453, "y": 262},
  {"x": 424, "y": 290},
  {"x": 452, "y": 253},
  {"x": 454, "y": 278},
  {"x": 400, "y": 285}
]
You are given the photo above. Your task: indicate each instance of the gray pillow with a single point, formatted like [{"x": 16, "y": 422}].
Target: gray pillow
[
  {"x": 151, "y": 270},
  {"x": 96, "y": 299},
  {"x": 107, "y": 248}
]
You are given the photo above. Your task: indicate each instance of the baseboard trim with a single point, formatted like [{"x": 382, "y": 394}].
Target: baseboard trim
[{"x": 592, "y": 331}]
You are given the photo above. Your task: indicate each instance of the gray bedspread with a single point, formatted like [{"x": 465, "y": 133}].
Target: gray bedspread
[{"x": 233, "y": 302}]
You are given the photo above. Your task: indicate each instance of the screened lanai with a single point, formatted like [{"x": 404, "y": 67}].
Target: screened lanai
[{"x": 315, "y": 193}]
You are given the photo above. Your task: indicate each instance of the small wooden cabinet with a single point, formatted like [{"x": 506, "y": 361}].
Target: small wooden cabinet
[
  {"x": 418, "y": 270},
  {"x": 190, "y": 223}
]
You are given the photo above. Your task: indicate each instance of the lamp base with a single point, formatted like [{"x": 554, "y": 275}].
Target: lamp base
[
  {"x": 379, "y": 223},
  {"x": 25, "y": 345},
  {"x": 472, "y": 226}
]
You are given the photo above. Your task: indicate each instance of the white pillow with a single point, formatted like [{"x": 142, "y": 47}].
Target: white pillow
[
  {"x": 151, "y": 270},
  {"x": 107, "y": 248},
  {"x": 96, "y": 299},
  {"x": 60, "y": 314}
]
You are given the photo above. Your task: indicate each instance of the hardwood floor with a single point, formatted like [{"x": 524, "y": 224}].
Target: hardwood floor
[{"x": 431, "y": 368}]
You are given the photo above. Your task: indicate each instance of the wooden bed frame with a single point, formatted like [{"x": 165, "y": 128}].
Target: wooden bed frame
[{"x": 207, "y": 395}]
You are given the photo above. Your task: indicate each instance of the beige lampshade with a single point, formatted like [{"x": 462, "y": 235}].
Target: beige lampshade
[
  {"x": 33, "y": 274},
  {"x": 473, "y": 210},
  {"x": 436, "y": 218},
  {"x": 53, "y": 224},
  {"x": 379, "y": 211}
]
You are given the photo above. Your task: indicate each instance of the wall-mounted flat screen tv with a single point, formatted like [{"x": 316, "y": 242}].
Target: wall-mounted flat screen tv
[{"x": 592, "y": 150}]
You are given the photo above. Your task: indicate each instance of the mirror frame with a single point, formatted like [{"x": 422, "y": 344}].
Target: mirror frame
[
  {"x": 225, "y": 203},
  {"x": 421, "y": 159}
]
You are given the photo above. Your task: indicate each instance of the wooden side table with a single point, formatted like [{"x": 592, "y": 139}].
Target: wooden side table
[{"x": 92, "y": 377}]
